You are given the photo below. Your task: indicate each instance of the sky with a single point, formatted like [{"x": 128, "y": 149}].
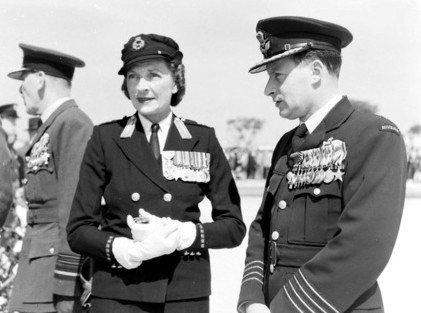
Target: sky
[{"x": 217, "y": 37}]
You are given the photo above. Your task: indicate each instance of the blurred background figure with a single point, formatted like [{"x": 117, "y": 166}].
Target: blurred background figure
[{"x": 13, "y": 230}]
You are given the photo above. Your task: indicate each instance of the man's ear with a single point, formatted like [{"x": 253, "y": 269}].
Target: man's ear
[{"x": 317, "y": 69}]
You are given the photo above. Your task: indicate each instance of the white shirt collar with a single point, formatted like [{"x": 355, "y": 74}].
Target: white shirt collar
[
  {"x": 164, "y": 128},
  {"x": 52, "y": 107},
  {"x": 318, "y": 116}
]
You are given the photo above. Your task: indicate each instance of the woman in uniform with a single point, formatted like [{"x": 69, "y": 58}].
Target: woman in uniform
[{"x": 163, "y": 166}]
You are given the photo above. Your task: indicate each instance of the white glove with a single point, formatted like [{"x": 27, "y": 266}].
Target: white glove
[
  {"x": 187, "y": 232},
  {"x": 126, "y": 253},
  {"x": 163, "y": 241},
  {"x": 142, "y": 230},
  {"x": 256, "y": 308}
]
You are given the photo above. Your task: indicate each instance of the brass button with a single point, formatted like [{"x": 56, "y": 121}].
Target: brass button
[
  {"x": 24, "y": 181},
  {"x": 275, "y": 235},
  {"x": 282, "y": 204},
  {"x": 167, "y": 197},
  {"x": 51, "y": 250},
  {"x": 316, "y": 191},
  {"x": 135, "y": 196}
]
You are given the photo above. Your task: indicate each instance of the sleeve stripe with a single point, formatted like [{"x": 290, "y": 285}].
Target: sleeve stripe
[
  {"x": 253, "y": 267},
  {"x": 252, "y": 278},
  {"x": 299, "y": 298},
  {"x": 316, "y": 293},
  {"x": 66, "y": 273},
  {"x": 252, "y": 273},
  {"x": 249, "y": 264},
  {"x": 289, "y": 297},
  {"x": 314, "y": 302}
]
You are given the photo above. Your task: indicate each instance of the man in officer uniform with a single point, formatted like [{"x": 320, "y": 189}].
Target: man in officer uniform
[
  {"x": 48, "y": 274},
  {"x": 334, "y": 196}
]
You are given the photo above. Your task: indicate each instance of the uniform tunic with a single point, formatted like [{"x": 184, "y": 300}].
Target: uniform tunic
[
  {"x": 47, "y": 266},
  {"x": 321, "y": 247},
  {"x": 126, "y": 174},
  {"x": 6, "y": 194}
]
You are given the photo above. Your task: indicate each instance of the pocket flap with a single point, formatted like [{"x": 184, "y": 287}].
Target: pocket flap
[
  {"x": 42, "y": 247},
  {"x": 322, "y": 190}
]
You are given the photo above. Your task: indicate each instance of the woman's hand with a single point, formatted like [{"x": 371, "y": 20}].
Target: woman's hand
[{"x": 140, "y": 230}]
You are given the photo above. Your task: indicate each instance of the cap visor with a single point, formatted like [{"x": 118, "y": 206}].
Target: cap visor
[
  {"x": 261, "y": 66},
  {"x": 18, "y": 74}
]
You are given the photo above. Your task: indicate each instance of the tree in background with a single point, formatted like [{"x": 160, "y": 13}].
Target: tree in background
[
  {"x": 241, "y": 154},
  {"x": 244, "y": 129}
]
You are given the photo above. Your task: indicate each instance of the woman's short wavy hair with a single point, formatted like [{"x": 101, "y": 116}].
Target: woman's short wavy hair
[{"x": 178, "y": 72}]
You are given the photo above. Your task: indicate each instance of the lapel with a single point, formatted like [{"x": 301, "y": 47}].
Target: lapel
[
  {"x": 66, "y": 105},
  {"x": 175, "y": 142},
  {"x": 335, "y": 118},
  {"x": 139, "y": 152}
]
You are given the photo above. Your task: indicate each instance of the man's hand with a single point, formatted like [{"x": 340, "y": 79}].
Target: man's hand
[
  {"x": 142, "y": 230},
  {"x": 66, "y": 304}
]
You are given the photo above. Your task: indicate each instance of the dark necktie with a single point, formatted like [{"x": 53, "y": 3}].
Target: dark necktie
[
  {"x": 154, "y": 141},
  {"x": 299, "y": 138}
]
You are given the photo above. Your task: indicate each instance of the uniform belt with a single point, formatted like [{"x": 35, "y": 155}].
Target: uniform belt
[
  {"x": 41, "y": 216},
  {"x": 294, "y": 255}
]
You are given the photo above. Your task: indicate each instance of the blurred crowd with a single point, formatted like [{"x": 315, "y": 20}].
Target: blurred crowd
[
  {"x": 254, "y": 163},
  {"x": 249, "y": 163},
  {"x": 413, "y": 146},
  {"x": 12, "y": 233}
]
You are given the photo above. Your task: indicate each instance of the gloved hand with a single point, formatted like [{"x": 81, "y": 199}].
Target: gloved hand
[
  {"x": 126, "y": 252},
  {"x": 163, "y": 241},
  {"x": 142, "y": 230},
  {"x": 187, "y": 230},
  {"x": 256, "y": 308}
]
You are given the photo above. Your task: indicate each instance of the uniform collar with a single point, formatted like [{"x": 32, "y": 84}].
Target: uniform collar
[
  {"x": 52, "y": 107},
  {"x": 315, "y": 119},
  {"x": 164, "y": 128}
]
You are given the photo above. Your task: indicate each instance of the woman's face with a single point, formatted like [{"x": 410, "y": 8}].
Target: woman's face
[{"x": 150, "y": 85}]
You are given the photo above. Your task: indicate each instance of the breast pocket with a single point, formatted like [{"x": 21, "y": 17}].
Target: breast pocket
[{"x": 315, "y": 210}]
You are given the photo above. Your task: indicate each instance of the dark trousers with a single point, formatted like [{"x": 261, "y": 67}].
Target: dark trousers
[{"x": 100, "y": 305}]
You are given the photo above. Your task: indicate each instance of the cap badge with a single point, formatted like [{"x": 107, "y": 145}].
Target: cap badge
[
  {"x": 264, "y": 42},
  {"x": 138, "y": 43}
]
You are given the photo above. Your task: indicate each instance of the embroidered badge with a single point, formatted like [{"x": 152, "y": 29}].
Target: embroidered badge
[
  {"x": 138, "y": 43},
  {"x": 129, "y": 128},
  {"x": 264, "y": 42},
  {"x": 314, "y": 166},
  {"x": 39, "y": 154},
  {"x": 189, "y": 166},
  {"x": 182, "y": 129},
  {"x": 390, "y": 128}
]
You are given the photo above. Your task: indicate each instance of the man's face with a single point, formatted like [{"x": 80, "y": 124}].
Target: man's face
[
  {"x": 30, "y": 92},
  {"x": 290, "y": 87}
]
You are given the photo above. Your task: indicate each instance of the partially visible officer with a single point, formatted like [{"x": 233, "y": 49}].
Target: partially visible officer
[
  {"x": 6, "y": 190},
  {"x": 8, "y": 117},
  {"x": 47, "y": 278},
  {"x": 166, "y": 165},
  {"x": 334, "y": 197}
]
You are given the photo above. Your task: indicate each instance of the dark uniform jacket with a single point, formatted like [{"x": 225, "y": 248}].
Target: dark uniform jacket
[
  {"x": 6, "y": 194},
  {"x": 47, "y": 266},
  {"x": 125, "y": 172},
  {"x": 321, "y": 247}
]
